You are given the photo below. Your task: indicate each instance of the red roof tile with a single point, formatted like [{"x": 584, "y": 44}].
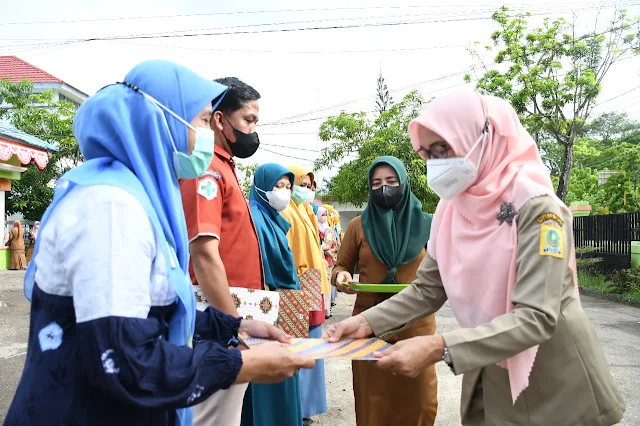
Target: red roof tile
[{"x": 15, "y": 69}]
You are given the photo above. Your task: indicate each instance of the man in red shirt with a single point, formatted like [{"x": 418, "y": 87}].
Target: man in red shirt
[{"x": 223, "y": 241}]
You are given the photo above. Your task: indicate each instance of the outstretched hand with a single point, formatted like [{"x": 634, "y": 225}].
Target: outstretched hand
[
  {"x": 352, "y": 328},
  {"x": 410, "y": 357},
  {"x": 271, "y": 363}
]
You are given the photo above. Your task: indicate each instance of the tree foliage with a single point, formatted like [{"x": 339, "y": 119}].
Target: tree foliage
[
  {"x": 356, "y": 140},
  {"x": 383, "y": 99},
  {"x": 39, "y": 115},
  {"x": 609, "y": 144},
  {"x": 552, "y": 76},
  {"x": 245, "y": 176}
]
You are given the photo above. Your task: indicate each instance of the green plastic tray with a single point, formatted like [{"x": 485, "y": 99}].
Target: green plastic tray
[{"x": 378, "y": 288}]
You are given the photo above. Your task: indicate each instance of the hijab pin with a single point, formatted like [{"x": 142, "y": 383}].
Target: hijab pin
[
  {"x": 507, "y": 213},
  {"x": 130, "y": 86}
]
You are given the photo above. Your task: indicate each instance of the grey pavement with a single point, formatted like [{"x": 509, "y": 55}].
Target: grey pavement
[{"x": 618, "y": 327}]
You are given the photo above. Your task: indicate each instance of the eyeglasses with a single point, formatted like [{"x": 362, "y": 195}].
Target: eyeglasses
[{"x": 436, "y": 151}]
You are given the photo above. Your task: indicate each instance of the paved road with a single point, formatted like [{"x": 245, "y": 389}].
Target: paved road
[{"x": 618, "y": 327}]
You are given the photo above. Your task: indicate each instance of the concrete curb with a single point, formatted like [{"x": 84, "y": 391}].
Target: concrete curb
[{"x": 612, "y": 297}]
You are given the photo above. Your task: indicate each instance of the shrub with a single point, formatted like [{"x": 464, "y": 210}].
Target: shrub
[{"x": 625, "y": 281}]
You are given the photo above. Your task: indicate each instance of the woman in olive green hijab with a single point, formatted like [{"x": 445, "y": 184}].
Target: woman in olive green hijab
[{"x": 387, "y": 243}]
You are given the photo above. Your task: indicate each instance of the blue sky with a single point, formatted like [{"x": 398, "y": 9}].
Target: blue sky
[{"x": 305, "y": 73}]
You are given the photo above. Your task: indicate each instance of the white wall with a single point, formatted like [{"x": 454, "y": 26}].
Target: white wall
[{"x": 348, "y": 212}]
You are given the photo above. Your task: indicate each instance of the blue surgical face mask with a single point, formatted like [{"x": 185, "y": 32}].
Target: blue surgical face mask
[{"x": 194, "y": 165}]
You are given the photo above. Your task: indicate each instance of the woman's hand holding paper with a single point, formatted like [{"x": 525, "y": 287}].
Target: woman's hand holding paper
[
  {"x": 352, "y": 328},
  {"x": 410, "y": 357}
]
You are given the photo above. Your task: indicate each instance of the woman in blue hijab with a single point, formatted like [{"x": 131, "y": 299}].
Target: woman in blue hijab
[
  {"x": 114, "y": 336},
  {"x": 276, "y": 404}
]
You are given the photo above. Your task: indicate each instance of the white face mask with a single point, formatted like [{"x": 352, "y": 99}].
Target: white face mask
[
  {"x": 449, "y": 177},
  {"x": 279, "y": 199}
]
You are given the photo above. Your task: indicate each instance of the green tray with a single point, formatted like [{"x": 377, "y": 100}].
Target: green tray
[{"x": 378, "y": 288}]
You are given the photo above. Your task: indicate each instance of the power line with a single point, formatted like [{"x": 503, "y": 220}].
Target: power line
[
  {"x": 320, "y": 52},
  {"x": 410, "y": 86},
  {"x": 286, "y": 155},
  {"x": 288, "y": 147},
  {"x": 292, "y": 119},
  {"x": 620, "y": 95},
  {"x": 330, "y": 27},
  {"x": 127, "y": 18},
  {"x": 242, "y": 12}
]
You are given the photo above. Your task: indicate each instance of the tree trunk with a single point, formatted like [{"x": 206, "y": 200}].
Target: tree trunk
[{"x": 565, "y": 172}]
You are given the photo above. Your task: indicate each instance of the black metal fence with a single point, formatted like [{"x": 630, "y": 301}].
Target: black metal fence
[{"x": 608, "y": 236}]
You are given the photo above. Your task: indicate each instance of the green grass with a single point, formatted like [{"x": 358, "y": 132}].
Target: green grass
[
  {"x": 595, "y": 282},
  {"x": 632, "y": 296},
  {"x": 600, "y": 283}
]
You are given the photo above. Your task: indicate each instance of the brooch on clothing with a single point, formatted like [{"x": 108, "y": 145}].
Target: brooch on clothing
[{"x": 507, "y": 213}]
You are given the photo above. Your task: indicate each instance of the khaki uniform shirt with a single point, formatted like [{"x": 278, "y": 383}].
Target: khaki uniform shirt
[{"x": 570, "y": 382}]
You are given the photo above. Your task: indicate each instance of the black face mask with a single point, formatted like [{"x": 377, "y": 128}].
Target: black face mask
[
  {"x": 245, "y": 145},
  {"x": 387, "y": 197}
]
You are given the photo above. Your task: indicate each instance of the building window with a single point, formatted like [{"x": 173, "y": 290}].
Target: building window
[
  {"x": 64, "y": 98},
  {"x": 604, "y": 175}
]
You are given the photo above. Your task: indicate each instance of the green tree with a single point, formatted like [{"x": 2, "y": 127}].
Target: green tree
[
  {"x": 245, "y": 176},
  {"x": 359, "y": 140},
  {"x": 383, "y": 99},
  {"x": 552, "y": 76},
  {"x": 39, "y": 115},
  {"x": 610, "y": 126},
  {"x": 591, "y": 155}
]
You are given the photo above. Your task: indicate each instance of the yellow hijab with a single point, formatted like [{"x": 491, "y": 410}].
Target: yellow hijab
[
  {"x": 303, "y": 235},
  {"x": 333, "y": 218}
]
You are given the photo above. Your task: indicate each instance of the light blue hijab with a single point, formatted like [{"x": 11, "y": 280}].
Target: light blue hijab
[{"x": 125, "y": 141}]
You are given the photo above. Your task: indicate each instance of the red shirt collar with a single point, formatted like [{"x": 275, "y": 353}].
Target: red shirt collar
[{"x": 220, "y": 151}]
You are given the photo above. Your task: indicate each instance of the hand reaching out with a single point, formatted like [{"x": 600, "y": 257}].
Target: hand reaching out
[
  {"x": 410, "y": 357},
  {"x": 271, "y": 363},
  {"x": 352, "y": 328}
]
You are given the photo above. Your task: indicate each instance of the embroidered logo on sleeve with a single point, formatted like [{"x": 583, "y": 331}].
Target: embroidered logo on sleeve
[
  {"x": 550, "y": 216},
  {"x": 213, "y": 173},
  {"x": 551, "y": 241},
  {"x": 208, "y": 188}
]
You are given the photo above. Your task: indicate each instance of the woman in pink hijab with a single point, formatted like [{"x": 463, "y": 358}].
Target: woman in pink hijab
[{"x": 501, "y": 251}]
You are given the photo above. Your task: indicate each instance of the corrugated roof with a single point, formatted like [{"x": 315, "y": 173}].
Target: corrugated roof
[
  {"x": 7, "y": 129},
  {"x": 15, "y": 69}
]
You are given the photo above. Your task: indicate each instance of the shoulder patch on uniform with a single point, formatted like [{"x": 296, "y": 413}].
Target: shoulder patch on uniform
[
  {"x": 551, "y": 241},
  {"x": 213, "y": 173},
  {"x": 208, "y": 188},
  {"x": 550, "y": 216}
]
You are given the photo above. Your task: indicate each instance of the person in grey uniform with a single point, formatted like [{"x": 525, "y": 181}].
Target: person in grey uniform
[{"x": 501, "y": 252}]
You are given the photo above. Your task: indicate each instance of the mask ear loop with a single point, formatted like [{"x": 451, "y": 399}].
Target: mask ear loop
[
  {"x": 161, "y": 107},
  {"x": 164, "y": 119},
  {"x": 485, "y": 134},
  {"x": 260, "y": 195}
]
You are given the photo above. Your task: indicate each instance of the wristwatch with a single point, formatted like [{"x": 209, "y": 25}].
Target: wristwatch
[{"x": 446, "y": 357}]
